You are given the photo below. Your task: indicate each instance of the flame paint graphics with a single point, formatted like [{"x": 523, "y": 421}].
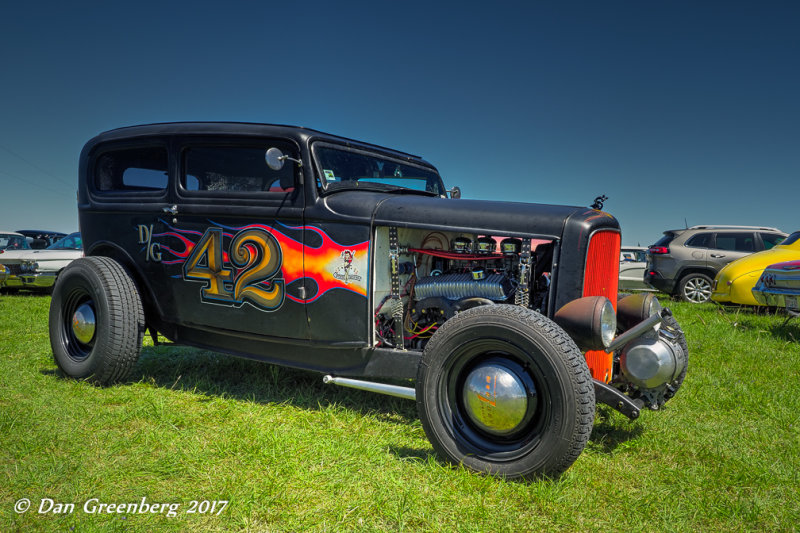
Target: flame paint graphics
[{"x": 330, "y": 265}]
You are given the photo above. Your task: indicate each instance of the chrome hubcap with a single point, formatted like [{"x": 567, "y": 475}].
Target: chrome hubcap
[
  {"x": 83, "y": 323},
  {"x": 698, "y": 290},
  {"x": 496, "y": 399}
]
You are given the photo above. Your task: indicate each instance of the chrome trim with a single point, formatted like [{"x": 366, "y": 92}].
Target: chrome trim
[{"x": 381, "y": 388}]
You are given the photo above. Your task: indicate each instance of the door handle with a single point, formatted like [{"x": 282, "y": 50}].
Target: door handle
[
  {"x": 717, "y": 255},
  {"x": 171, "y": 210}
]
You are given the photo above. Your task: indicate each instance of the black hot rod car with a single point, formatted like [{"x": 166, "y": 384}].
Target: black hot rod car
[{"x": 305, "y": 249}]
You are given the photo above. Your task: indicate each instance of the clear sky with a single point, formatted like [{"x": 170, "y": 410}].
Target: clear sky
[{"x": 680, "y": 112}]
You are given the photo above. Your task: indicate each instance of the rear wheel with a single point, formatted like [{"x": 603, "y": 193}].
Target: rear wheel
[
  {"x": 503, "y": 390},
  {"x": 96, "y": 320},
  {"x": 695, "y": 288}
]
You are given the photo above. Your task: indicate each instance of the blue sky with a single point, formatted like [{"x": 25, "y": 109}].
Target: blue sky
[{"x": 677, "y": 111}]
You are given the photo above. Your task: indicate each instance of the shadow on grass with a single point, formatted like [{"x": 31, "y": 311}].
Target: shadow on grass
[
  {"x": 212, "y": 374},
  {"x": 611, "y": 430}
]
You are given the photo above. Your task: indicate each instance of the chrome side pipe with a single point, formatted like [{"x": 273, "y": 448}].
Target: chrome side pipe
[
  {"x": 381, "y": 388},
  {"x": 635, "y": 332}
]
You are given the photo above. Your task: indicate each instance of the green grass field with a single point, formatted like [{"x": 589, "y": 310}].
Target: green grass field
[{"x": 291, "y": 454}]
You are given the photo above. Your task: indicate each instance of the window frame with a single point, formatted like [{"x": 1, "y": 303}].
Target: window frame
[
  {"x": 711, "y": 240},
  {"x": 321, "y": 187},
  {"x": 116, "y": 195},
  {"x": 184, "y": 145}
]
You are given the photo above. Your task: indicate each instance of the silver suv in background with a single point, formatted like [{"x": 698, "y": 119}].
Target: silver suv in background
[{"x": 683, "y": 262}]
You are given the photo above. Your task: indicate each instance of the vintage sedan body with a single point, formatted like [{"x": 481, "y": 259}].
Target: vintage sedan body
[
  {"x": 632, "y": 266},
  {"x": 300, "y": 248},
  {"x": 734, "y": 283},
  {"x": 779, "y": 285},
  {"x": 38, "y": 269}
]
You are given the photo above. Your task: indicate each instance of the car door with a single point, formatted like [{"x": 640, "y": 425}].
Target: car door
[
  {"x": 232, "y": 242},
  {"x": 730, "y": 246}
]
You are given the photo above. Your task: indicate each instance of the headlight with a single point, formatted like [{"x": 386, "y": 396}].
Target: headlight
[
  {"x": 608, "y": 323},
  {"x": 635, "y": 308},
  {"x": 590, "y": 321}
]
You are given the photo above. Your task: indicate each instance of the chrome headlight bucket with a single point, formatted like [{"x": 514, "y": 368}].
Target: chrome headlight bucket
[
  {"x": 590, "y": 321},
  {"x": 635, "y": 308}
]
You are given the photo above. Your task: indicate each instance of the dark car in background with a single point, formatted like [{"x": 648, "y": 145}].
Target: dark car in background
[
  {"x": 41, "y": 239},
  {"x": 684, "y": 262},
  {"x": 300, "y": 248}
]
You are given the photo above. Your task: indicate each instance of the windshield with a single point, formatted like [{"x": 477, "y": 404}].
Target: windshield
[
  {"x": 791, "y": 239},
  {"x": 348, "y": 169},
  {"x": 70, "y": 242},
  {"x": 13, "y": 242}
]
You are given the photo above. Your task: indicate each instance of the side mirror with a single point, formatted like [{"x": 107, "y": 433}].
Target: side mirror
[
  {"x": 455, "y": 192},
  {"x": 275, "y": 159}
]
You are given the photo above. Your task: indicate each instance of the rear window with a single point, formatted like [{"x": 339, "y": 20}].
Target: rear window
[
  {"x": 736, "y": 242},
  {"x": 132, "y": 170},
  {"x": 665, "y": 240}
]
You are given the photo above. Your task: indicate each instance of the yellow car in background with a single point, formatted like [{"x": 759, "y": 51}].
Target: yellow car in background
[{"x": 734, "y": 283}]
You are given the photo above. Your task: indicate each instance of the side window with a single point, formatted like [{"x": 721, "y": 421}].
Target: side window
[
  {"x": 736, "y": 242},
  {"x": 133, "y": 169},
  {"x": 771, "y": 239},
  {"x": 236, "y": 169},
  {"x": 701, "y": 240}
]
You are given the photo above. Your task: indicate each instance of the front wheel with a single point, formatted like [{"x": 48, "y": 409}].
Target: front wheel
[
  {"x": 504, "y": 390},
  {"x": 96, "y": 320}
]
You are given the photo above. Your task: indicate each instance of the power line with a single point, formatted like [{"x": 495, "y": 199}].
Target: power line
[
  {"x": 40, "y": 169},
  {"x": 30, "y": 182}
]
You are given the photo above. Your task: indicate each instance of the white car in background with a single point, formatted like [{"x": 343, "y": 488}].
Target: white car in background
[
  {"x": 37, "y": 269},
  {"x": 632, "y": 263}
]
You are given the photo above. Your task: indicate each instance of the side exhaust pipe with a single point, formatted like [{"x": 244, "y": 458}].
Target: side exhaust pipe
[{"x": 381, "y": 388}]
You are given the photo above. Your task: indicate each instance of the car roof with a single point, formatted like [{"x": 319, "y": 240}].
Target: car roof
[
  {"x": 233, "y": 128},
  {"x": 3, "y": 232}
]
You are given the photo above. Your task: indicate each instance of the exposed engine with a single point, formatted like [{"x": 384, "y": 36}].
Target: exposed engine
[
  {"x": 439, "y": 275},
  {"x": 653, "y": 366}
]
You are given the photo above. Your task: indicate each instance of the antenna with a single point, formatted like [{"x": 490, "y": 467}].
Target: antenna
[{"x": 685, "y": 223}]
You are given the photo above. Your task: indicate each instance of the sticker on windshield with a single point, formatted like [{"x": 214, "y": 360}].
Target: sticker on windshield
[{"x": 329, "y": 175}]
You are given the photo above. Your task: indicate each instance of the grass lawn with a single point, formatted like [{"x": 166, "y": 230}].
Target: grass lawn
[{"x": 290, "y": 454}]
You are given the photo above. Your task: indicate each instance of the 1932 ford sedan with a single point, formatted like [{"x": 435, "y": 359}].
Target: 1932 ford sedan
[{"x": 304, "y": 249}]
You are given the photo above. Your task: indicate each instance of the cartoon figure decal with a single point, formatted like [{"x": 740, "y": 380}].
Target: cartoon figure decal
[
  {"x": 347, "y": 271},
  {"x": 258, "y": 264}
]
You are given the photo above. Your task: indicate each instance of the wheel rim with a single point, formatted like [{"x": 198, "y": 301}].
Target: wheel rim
[
  {"x": 697, "y": 290},
  {"x": 513, "y": 425},
  {"x": 79, "y": 324}
]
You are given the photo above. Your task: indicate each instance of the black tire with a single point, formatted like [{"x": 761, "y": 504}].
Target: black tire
[
  {"x": 105, "y": 287},
  {"x": 695, "y": 288},
  {"x": 555, "y": 427},
  {"x": 673, "y": 387}
]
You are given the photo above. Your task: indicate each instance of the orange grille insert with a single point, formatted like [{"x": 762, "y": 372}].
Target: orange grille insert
[{"x": 602, "y": 279}]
